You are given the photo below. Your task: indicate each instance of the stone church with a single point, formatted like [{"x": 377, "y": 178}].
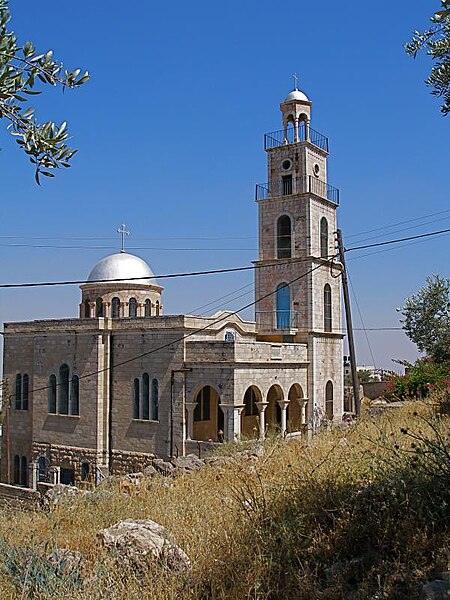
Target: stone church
[{"x": 98, "y": 393}]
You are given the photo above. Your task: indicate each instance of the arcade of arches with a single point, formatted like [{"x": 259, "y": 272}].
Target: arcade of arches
[{"x": 208, "y": 419}]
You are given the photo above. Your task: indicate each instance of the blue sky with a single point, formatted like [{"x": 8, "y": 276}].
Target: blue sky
[{"x": 170, "y": 138}]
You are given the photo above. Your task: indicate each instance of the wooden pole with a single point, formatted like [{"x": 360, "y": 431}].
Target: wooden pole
[{"x": 348, "y": 319}]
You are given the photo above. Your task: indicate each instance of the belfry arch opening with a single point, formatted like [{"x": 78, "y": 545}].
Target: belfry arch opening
[{"x": 284, "y": 237}]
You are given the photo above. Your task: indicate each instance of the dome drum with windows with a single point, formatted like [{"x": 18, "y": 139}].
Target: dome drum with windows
[{"x": 121, "y": 285}]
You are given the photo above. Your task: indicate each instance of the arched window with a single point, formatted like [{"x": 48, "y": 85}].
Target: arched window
[
  {"x": 52, "y": 394},
  {"x": 323, "y": 238},
  {"x": 145, "y": 397},
  {"x": 202, "y": 411},
  {"x": 87, "y": 308},
  {"x": 250, "y": 400},
  {"x": 99, "y": 307},
  {"x": 148, "y": 308},
  {"x": 132, "y": 307},
  {"x": 63, "y": 389},
  {"x": 43, "y": 466},
  {"x": 84, "y": 471},
  {"x": 25, "y": 392},
  {"x": 327, "y": 317},
  {"x": 136, "y": 399},
  {"x": 23, "y": 471},
  {"x": 329, "y": 410},
  {"x": 284, "y": 237},
  {"x": 18, "y": 392},
  {"x": 115, "y": 308},
  {"x": 157, "y": 308},
  {"x": 155, "y": 400},
  {"x": 16, "y": 472},
  {"x": 75, "y": 395},
  {"x": 283, "y": 306}
]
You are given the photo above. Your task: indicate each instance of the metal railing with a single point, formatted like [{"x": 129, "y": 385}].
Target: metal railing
[
  {"x": 275, "y": 139},
  {"x": 277, "y": 319},
  {"x": 297, "y": 185}
]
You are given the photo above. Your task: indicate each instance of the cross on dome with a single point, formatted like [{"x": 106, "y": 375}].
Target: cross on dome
[
  {"x": 295, "y": 78},
  {"x": 123, "y": 232}
]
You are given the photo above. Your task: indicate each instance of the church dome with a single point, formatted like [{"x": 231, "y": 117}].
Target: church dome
[
  {"x": 296, "y": 95},
  {"x": 124, "y": 266}
]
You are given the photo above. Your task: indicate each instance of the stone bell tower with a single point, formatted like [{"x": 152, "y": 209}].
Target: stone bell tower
[{"x": 298, "y": 291}]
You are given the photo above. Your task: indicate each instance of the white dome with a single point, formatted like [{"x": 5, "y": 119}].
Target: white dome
[
  {"x": 122, "y": 266},
  {"x": 296, "y": 95}
]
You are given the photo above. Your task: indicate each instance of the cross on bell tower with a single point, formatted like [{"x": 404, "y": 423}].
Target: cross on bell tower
[{"x": 123, "y": 232}]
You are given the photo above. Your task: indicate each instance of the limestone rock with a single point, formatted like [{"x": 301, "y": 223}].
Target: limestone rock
[
  {"x": 61, "y": 494},
  {"x": 435, "y": 590},
  {"x": 189, "y": 463},
  {"x": 162, "y": 466},
  {"x": 138, "y": 541},
  {"x": 149, "y": 471}
]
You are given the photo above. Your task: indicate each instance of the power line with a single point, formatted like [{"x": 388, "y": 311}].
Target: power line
[
  {"x": 398, "y": 240},
  {"x": 190, "y": 334},
  {"x": 442, "y": 212},
  {"x": 361, "y": 319},
  {"x": 169, "y": 276}
]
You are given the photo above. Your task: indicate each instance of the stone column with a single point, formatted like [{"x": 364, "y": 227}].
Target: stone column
[
  {"x": 303, "y": 404},
  {"x": 33, "y": 475},
  {"x": 283, "y": 404},
  {"x": 55, "y": 475},
  {"x": 262, "y": 419},
  {"x": 107, "y": 309},
  {"x": 296, "y": 126},
  {"x": 237, "y": 410},
  {"x": 190, "y": 407},
  {"x": 91, "y": 310}
]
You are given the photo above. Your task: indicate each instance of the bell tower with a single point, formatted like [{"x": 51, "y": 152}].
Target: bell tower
[{"x": 298, "y": 291}]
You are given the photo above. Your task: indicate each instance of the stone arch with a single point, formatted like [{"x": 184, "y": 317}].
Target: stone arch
[
  {"x": 250, "y": 414},
  {"x": 115, "y": 308},
  {"x": 284, "y": 236},
  {"x": 99, "y": 307},
  {"x": 302, "y": 121},
  {"x": 296, "y": 415},
  {"x": 208, "y": 416},
  {"x": 273, "y": 410}
]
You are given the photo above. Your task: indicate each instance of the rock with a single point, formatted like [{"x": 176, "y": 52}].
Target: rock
[
  {"x": 65, "y": 561},
  {"x": 60, "y": 494},
  {"x": 189, "y": 463},
  {"x": 162, "y": 466},
  {"x": 214, "y": 461},
  {"x": 135, "y": 542},
  {"x": 149, "y": 471},
  {"x": 435, "y": 590}
]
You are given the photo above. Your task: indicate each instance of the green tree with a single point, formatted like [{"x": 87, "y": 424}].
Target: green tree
[
  {"x": 21, "y": 68},
  {"x": 427, "y": 318},
  {"x": 436, "y": 41}
]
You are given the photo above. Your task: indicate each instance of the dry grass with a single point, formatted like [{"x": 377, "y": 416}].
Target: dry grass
[{"x": 371, "y": 498}]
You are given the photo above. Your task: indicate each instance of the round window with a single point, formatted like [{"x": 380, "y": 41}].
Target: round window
[
  {"x": 316, "y": 170},
  {"x": 286, "y": 164}
]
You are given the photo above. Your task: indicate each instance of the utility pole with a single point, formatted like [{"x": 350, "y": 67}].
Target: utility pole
[{"x": 348, "y": 319}]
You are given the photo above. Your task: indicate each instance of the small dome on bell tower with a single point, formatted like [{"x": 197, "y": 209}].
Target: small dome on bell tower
[{"x": 296, "y": 112}]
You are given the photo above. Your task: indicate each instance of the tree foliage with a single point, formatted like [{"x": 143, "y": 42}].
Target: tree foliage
[
  {"x": 436, "y": 41},
  {"x": 427, "y": 318},
  {"x": 21, "y": 69}
]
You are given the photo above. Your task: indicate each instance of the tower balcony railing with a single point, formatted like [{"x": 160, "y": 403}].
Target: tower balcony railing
[
  {"x": 289, "y": 186},
  {"x": 305, "y": 133},
  {"x": 280, "y": 320}
]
